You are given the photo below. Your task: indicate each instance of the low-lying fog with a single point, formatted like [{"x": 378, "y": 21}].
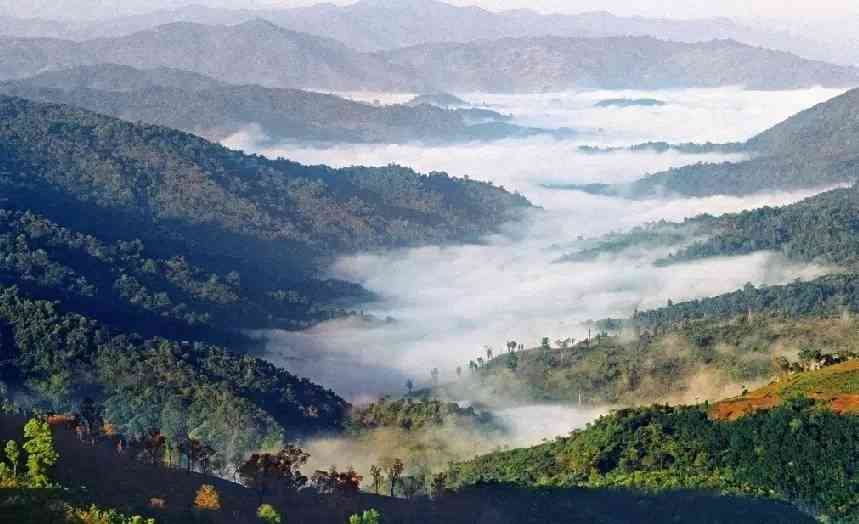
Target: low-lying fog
[{"x": 447, "y": 303}]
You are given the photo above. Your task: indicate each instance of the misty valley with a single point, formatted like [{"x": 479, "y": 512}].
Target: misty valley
[{"x": 405, "y": 261}]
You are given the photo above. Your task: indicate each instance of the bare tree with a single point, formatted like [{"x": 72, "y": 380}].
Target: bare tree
[
  {"x": 376, "y": 474},
  {"x": 394, "y": 468}
]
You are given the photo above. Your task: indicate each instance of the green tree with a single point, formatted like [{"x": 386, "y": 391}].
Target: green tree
[
  {"x": 39, "y": 445},
  {"x": 267, "y": 514},
  {"x": 13, "y": 455},
  {"x": 370, "y": 516}
]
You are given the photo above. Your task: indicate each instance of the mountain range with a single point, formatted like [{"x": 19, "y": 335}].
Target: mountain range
[
  {"x": 260, "y": 52},
  {"x": 255, "y": 52},
  {"x": 374, "y": 25},
  {"x": 556, "y": 63}
]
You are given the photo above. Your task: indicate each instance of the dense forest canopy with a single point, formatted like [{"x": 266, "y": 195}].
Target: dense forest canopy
[
  {"x": 822, "y": 228},
  {"x": 794, "y": 452}
]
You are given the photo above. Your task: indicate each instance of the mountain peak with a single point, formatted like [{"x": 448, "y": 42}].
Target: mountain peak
[
  {"x": 258, "y": 24},
  {"x": 401, "y": 4}
]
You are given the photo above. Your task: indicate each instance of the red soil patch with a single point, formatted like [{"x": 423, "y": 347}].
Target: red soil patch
[
  {"x": 736, "y": 408},
  {"x": 845, "y": 404}
]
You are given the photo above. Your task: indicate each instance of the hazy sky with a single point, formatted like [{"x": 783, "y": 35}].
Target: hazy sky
[
  {"x": 681, "y": 8},
  {"x": 660, "y": 8}
]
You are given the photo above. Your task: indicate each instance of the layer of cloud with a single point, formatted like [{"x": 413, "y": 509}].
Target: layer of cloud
[{"x": 447, "y": 303}]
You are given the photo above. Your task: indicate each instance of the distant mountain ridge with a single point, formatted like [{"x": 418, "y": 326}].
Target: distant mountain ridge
[
  {"x": 217, "y": 110},
  {"x": 255, "y": 52},
  {"x": 260, "y": 52},
  {"x": 549, "y": 64}
]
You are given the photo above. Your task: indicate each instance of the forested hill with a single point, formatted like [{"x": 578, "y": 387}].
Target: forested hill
[
  {"x": 823, "y": 228},
  {"x": 163, "y": 175},
  {"x": 796, "y": 453},
  {"x": 814, "y": 148},
  {"x": 828, "y": 130},
  {"x": 148, "y": 219}
]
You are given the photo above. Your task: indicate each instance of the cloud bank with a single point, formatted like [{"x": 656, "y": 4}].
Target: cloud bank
[{"x": 445, "y": 304}]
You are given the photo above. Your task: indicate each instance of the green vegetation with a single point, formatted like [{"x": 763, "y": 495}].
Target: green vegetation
[
  {"x": 118, "y": 480},
  {"x": 371, "y": 516},
  {"x": 236, "y": 404},
  {"x": 408, "y": 414},
  {"x": 39, "y": 445},
  {"x": 128, "y": 285},
  {"x": 822, "y": 229},
  {"x": 795, "y": 452},
  {"x": 118, "y": 240},
  {"x": 268, "y": 515},
  {"x": 688, "y": 148},
  {"x": 827, "y": 295}
]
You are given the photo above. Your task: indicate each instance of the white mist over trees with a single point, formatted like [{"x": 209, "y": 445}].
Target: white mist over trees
[{"x": 447, "y": 303}]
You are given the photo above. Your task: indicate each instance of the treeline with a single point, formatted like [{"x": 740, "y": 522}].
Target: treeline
[
  {"x": 827, "y": 295},
  {"x": 794, "y": 452},
  {"x": 409, "y": 414},
  {"x": 758, "y": 175}
]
